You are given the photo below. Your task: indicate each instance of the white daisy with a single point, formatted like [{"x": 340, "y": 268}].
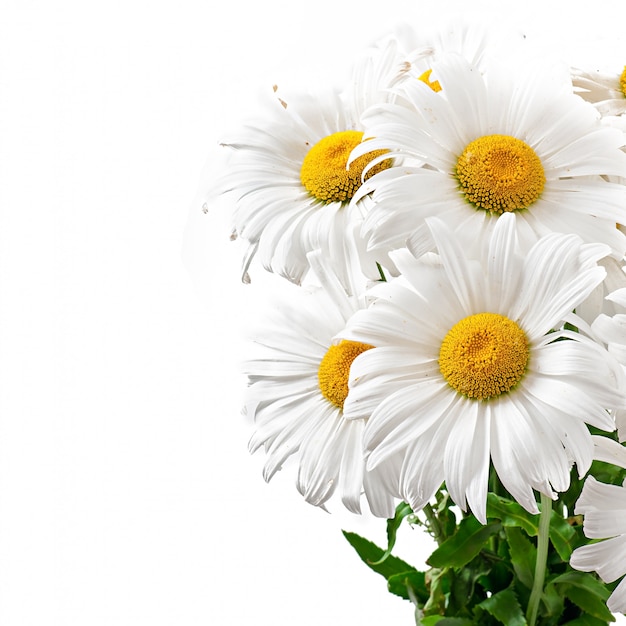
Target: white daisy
[
  {"x": 298, "y": 385},
  {"x": 466, "y": 369},
  {"x": 610, "y": 328},
  {"x": 601, "y": 300},
  {"x": 473, "y": 40},
  {"x": 604, "y": 509},
  {"x": 491, "y": 143},
  {"x": 607, "y": 92},
  {"x": 290, "y": 174}
]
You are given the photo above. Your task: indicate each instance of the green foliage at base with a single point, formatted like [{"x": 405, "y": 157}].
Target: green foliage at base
[{"x": 482, "y": 575}]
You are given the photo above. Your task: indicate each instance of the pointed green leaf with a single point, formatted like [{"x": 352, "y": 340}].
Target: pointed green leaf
[
  {"x": 512, "y": 514},
  {"x": 583, "y": 580},
  {"x": 431, "y": 620},
  {"x": 370, "y": 554},
  {"x": 464, "y": 545},
  {"x": 562, "y": 535},
  {"x": 523, "y": 555},
  {"x": 409, "y": 582},
  {"x": 588, "y": 602},
  {"x": 505, "y": 607},
  {"x": 455, "y": 621},
  {"x": 402, "y": 510},
  {"x": 586, "y": 592}
]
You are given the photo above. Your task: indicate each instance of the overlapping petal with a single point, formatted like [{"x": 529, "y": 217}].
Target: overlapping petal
[{"x": 533, "y": 432}]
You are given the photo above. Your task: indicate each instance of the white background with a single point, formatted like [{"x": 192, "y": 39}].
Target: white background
[{"x": 127, "y": 495}]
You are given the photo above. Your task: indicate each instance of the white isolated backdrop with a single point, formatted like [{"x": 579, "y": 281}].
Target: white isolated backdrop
[{"x": 127, "y": 494}]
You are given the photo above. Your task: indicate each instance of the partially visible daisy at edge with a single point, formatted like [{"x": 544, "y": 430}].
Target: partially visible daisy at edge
[
  {"x": 472, "y": 366},
  {"x": 475, "y": 41},
  {"x": 297, "y": 388},
  {"x": 603, "y": 507},
  {"x": 607, "y": 92},
  {"x": 486, "y": 144},
  {"x": 611, "y": 330}
]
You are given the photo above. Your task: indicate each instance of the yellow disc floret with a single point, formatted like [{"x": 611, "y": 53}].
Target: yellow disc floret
[
  {"x": 500, "y": 173},
  {"x": 335, "y": 368},
  {"x": 484, "y": 355},
  {"x": 425, "y": 78},
  {"x": 324, "y": 171},
  {"x": 622, "y": 82}
]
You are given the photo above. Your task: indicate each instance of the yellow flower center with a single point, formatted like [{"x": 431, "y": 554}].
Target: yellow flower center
[
  {"x": 484, "y": 355},
  {"x": 425, "y": 78},
  {"x": 324, "y": 170},
  {"x": 622, "y": 82},
  {"x": 335, "y": 368},
  {"x": 500, "y": 173}
]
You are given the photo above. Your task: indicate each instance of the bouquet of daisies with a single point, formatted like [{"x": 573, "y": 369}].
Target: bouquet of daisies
[{"x": 454, "y": 354}]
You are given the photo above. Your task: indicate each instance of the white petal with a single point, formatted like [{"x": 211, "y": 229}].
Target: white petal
[
  {"x": 609, "y": 451},
  {"x": 607, "y": 558}
]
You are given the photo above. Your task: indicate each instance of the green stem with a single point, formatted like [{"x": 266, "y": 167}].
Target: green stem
[
  {"x": 433, "y": 522},
  {"x": 542, "y": 558}
]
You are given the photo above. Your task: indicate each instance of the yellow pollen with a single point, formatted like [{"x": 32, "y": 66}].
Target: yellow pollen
[
  {"x": 622, "y": 82},
  {"x": 500, "y": 173},
  {"x": 324, "y": 173},
  {"x": 335, "y": 368},
  {"x": 425, "y": 78},
  {"x": 484, "y": 355}
]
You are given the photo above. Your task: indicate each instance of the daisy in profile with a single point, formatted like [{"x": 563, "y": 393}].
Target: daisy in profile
[
  {"x": 607, "y": 92},
  {"x": 297, "y": 388},
  {"x": 485, "y": 144},
  {"x": 604, "y": 509},
  {"x": 472, "y": 366}
]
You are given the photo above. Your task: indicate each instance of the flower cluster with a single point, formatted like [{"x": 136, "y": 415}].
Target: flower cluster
[{"x": 454, "y": 217}]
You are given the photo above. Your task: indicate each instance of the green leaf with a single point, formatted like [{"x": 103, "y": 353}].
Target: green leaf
[
  {"x": 505, "y": 607},
  {"x": 409, "y": 582},
  {"x": 371, "y": 555},
  {"x": 455, "y": 621},
  {"x": 512, "y": 514},
  {"x": 586, "y": 592},
  {"x": 583, "y": 580},
  {"x": 523, "y": 555},
  {"x": 588, "y": 602},
  {"x": 438, "y": 587},
  {"x": 431, "y": 620},
  {"x": 464, "y": 545},
  {"x": 402, "y": 511}
]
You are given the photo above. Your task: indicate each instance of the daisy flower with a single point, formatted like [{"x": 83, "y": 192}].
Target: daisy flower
[
  {"x": 488, "y": 144},
  {"x": 471, "y": 40},
  {"x": 290, "y": 173},
  {"x": 601, "y": 300},
  {"x": 298, "y": 385},
  {"x": 467, "y": 369},
  {"x": 604, "y": 509},
  {"x": 611, "y": 330},
  {"x": 607, "y": 92}
]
